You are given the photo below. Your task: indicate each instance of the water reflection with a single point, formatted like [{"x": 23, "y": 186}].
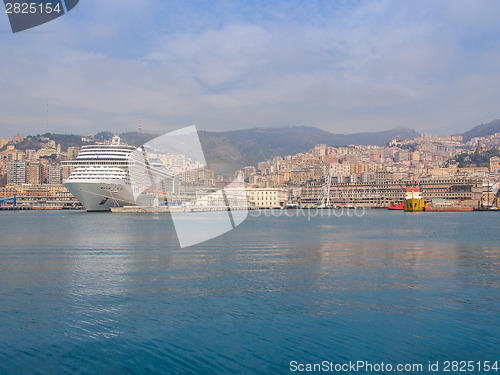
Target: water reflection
[{"x": 107, "y": 290}]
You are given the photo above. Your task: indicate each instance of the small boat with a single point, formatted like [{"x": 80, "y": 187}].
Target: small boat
[{"x": 397, "y": 206}]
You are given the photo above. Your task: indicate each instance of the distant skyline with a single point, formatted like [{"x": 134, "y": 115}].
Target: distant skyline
[{"x": 342, "y": 66}]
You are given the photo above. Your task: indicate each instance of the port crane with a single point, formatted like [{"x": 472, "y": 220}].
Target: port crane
[{"x": 324, "y": 195}]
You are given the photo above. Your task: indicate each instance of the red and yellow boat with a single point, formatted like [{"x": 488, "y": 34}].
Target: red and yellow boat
[{"x": 414, "y": 200}]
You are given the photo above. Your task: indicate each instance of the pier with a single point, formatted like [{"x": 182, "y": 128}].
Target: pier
[
  {"x": 174, "y": 209},
  {"x": 15, "y": 208}
]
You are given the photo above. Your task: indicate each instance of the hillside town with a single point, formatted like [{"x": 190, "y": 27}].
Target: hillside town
[{"x": 353, "y": 175}]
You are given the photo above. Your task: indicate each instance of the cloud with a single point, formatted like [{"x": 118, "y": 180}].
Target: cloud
[{"x": 364, "y": 66}]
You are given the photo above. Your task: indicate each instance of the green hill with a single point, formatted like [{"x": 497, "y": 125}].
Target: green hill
[{"x": 476, "y": 159}]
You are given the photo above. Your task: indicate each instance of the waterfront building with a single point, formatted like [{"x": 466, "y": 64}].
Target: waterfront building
[
  {"x": 8, "y": 191},
  {"x": 54, "y": 174},
  {"x": 381, "y": 193},
  {"x": 34, "y": 173},
  {"x": 46, "y": 195},
  {"x": 383, "y": 176},
  {"x": 366, "y": 177},
  {"x": 267, "y": 197},
  {"x": 16, "y": 172},
  {"x": 232, "y": 197}
]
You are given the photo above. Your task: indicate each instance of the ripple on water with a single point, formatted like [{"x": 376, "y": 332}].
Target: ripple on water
[{"x": 119, "y": 296}]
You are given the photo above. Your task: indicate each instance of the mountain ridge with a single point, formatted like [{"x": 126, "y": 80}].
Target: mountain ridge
[
  {"x": 239, "y": 148},
  {"x": 482, "y": 130},
  {"x": 231, "y": 150}
]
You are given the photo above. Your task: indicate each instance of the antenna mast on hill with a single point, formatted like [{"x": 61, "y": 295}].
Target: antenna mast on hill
[
  {"x": 47, "y": 116},
  {"x": 140, "y": 126}
]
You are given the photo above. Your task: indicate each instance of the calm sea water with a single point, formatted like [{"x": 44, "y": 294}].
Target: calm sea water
[{"x": 113, "y": 293}]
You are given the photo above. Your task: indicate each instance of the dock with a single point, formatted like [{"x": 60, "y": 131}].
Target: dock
[
  {"x": 15, "y": 208},
  {"x": 139, "y": 209},
  {"x": 173, "y": 209},
  {"x": 448, "y": 209}
]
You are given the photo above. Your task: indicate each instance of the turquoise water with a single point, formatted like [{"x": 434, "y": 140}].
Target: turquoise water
[{"x": 113, "y": 293}]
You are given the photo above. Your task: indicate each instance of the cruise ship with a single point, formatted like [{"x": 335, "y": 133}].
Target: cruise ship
[{"x": 115, "y": 175}]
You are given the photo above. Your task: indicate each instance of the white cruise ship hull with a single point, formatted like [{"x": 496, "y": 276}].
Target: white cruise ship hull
[
  {"x": 101, "y": 195},
  {"x": 115, "y": 175}
]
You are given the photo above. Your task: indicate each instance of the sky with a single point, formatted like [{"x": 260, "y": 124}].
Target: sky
[{"x": 342, "y": 66}]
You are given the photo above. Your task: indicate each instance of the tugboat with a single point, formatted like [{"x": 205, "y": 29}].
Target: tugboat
[{"x": 414, "y": 200}]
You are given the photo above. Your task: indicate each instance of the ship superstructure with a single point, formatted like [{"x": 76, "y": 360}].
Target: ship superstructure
[
  {"x": 414, "y": 200},
  {"x": 116, "y": 175}
]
